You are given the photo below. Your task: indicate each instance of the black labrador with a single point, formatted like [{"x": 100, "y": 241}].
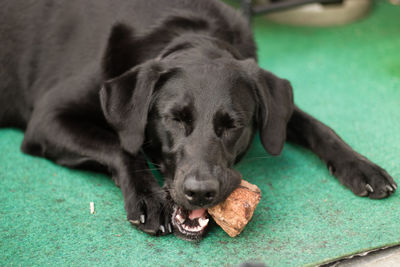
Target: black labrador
[{"x": 108, "y": 85}]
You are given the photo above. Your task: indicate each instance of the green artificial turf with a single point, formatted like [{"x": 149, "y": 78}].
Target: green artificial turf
[{"x": 349, "y": 77}]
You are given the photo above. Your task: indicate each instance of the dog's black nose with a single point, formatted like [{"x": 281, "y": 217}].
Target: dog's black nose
[{"x": 200, "y": 192}]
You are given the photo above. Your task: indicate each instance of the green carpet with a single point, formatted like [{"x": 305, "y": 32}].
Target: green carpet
[{"x": 349, "y": 77}]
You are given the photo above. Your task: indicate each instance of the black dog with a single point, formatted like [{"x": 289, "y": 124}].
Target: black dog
[{"x": 107, "y": 85}]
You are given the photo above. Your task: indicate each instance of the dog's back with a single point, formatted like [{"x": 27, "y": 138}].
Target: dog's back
[{"x": 45, "y": 42}]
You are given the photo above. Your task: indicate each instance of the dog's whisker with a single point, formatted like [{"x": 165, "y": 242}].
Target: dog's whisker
[
  {"x": 146, "y": 160},
  {"x": 255, "y": 158},
  {"x": 155, "y": 164},
  {"x": 143, "y": 170}
]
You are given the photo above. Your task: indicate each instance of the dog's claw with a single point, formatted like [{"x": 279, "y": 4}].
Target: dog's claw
[
  {"x": 389, "y": 188},
  {"x": 169, "y": 228},
  {"x": 142, "y": 218},
  {"x": 150, "y": 231},
  {"x": 134, "y": 222},
  {"x": 369, "y": 188},
  {"x": 162, "y": 228},
  {"x": 330, "y": 168},
  {"x": 394, "y": 186}
]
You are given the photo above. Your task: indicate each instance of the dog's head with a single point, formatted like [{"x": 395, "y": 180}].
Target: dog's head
[{"x": 200, "y": 103}]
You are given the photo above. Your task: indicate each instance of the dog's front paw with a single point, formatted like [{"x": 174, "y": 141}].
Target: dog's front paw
[
  {"x": 150, "y": 212},
  {"x": 364, "y": 178}
]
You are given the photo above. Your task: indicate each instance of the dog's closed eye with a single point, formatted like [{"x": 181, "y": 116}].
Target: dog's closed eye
[
  {"x": 183, "y": 118},
  {"x": 183, "y": 115},
  {"x": 225, "y": 123}
]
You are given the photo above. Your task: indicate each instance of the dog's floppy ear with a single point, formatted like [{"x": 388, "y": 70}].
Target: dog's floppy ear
[
  {"x": 125, "y": 101},
  {"x": 122, "y": 51},
  {"x": 275, "y": 107}
]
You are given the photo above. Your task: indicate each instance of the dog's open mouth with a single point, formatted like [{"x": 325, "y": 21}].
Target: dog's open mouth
[{"x": 191, "y": 224}]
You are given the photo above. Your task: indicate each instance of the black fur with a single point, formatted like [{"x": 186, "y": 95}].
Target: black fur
[{"x": 107, "y": 85}]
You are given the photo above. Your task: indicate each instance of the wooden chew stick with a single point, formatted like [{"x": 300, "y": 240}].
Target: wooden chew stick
[{"x": 236, "y": 211}]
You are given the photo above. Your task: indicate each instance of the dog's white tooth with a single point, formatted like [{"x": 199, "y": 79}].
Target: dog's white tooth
[
  {"x": 188, "y": 228},
  {"x": 203, "y": 222},
  {"x": 180, "y": 218},
  {"x": 192, "y": 229}
]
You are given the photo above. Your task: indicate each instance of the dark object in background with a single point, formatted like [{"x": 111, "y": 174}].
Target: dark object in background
[{"x": 249, "y": 10}]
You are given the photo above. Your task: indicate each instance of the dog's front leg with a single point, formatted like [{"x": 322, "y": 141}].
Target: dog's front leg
[
  {"x": 74, "y": 140},
  {"x": 355, "y": 171},
  {"x": 148, "y": 206}
]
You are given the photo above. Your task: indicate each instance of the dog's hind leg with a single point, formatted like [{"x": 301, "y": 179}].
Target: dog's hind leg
[{"x": 355, "y": 171}]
